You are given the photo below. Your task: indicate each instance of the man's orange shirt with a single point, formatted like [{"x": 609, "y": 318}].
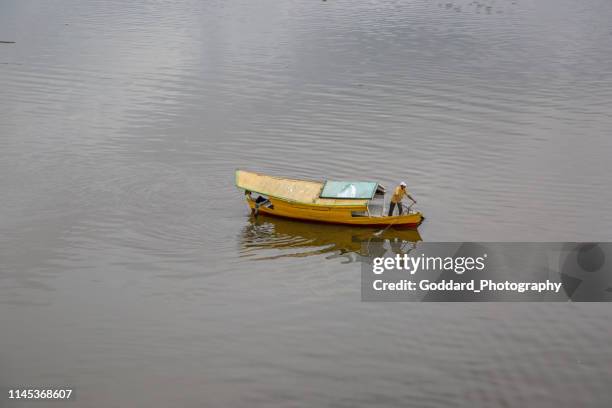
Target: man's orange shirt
[{"x": 398, "y": 194}]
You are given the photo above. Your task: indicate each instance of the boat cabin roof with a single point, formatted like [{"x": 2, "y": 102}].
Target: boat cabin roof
[
  {"x": 349, "y": 189},
  {"x": 330, "y": 192}
]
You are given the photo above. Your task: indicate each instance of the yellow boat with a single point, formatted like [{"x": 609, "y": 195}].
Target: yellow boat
[{"x": 358, "y": 203}]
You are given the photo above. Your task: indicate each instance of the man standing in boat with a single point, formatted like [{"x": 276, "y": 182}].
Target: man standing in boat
[{"x": 396, "y": 198}]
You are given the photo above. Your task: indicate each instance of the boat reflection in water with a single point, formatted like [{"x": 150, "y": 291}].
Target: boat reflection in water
[{"x": 267, "y": 237}]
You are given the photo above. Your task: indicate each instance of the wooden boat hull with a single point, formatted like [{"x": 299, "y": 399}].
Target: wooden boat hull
[
  {"x": 297, "y": 238},
  {"x": 334, "y": 214}
]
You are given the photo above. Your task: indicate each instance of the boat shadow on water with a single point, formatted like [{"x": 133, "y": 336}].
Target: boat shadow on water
[{"x": 266, "y": 237}]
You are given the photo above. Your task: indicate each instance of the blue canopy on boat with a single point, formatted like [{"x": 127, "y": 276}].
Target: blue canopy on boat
[{"x": 349, "y": 189}]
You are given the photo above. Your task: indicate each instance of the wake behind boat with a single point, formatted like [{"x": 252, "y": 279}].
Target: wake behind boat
[{"x": 358, "y": 203}]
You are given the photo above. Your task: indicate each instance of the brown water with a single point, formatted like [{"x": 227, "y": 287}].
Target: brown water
[{"x": 129, "y": 267}]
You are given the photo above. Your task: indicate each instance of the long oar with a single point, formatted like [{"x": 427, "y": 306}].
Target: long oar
[{"x": 379, "y": 233}]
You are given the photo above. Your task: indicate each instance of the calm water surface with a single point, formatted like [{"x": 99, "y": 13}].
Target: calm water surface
[{"x": 131, "y": 271}]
